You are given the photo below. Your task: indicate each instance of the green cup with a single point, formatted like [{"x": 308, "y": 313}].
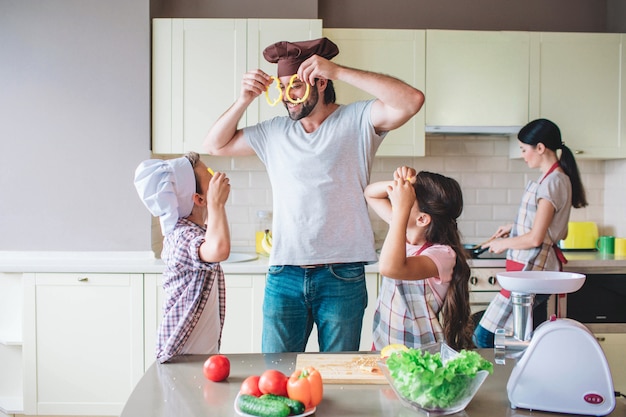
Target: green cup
[{"x": 606, "y": 245}]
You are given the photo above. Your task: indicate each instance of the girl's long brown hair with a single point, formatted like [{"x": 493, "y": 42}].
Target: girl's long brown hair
[{"x": 441, "y": 197}]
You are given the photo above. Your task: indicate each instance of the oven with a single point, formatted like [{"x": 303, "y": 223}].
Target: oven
[
  {"x": 600, "y": 304},
  {"x": 483, "y": 287}
]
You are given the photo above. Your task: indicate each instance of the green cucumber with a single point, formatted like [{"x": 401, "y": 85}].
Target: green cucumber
[
  {"x": 262, "y": 407},
  {"x": 296, "y": 407}
]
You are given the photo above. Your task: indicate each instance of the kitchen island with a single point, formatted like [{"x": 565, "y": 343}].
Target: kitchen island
[{"x": 180, "y": 389}]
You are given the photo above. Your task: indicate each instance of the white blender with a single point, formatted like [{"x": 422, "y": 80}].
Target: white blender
[{"x": 562, "y": 367}]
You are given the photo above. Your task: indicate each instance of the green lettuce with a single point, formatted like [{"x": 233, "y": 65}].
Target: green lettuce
[{"x": 422, "y": 377}]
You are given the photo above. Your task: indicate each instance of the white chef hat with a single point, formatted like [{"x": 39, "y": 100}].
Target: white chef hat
[{"x": 166, "y": 188}]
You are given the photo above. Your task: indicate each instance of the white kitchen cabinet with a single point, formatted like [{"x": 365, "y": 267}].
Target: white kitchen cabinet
[
  {"x": 198, "y": 65},
  {"x": 614, "y": 345},
  {"x": 11, "y": 367},
  {"x": 397, "y": 52},
  {"x": 476, "y": 78},
  {"x": 577, "y": 82},
  {"x": 244, "y": 313},
  {"x": 83, "y": 342}
]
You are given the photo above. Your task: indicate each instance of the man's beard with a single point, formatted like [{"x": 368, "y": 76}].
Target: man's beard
[{"x": 306, "y": 107}]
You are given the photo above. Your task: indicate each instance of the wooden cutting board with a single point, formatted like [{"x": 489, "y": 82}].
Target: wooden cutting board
[{"x": 344, "y": 368}]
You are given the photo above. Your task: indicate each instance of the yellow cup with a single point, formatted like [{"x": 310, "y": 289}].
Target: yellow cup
[{"x": 620, "y": 247}]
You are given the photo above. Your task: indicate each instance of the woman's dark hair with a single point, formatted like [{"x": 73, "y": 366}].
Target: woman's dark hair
[
  {"x": 441, "y": 198},
  {"x": 546, "y": 132}
]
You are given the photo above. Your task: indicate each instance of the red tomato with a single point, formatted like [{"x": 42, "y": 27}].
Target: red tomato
[
  {"x": 274, "y": 382},
  {"x": 250, "y": 386},
  {"x": 216, "y": 368}
]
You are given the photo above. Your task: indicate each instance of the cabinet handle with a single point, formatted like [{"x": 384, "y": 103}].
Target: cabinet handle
[
  {"x": 473, "y": 280},
  {"x": 492, "y": 280},
  {"x": 578, "y": 152},
  {"x": 83, "y": 279},
  {"x": 601, "y": 339}
]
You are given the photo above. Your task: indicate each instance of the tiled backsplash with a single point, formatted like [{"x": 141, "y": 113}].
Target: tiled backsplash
[{"x": 492, "y": 186}]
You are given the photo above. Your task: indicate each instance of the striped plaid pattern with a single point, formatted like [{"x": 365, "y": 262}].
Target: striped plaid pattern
[
  {"x": 407, "y": 311},
  {"x": 187, "y": 282},
  {"x": 406, "y": 314},
  {"x": 499, "y": 313}
]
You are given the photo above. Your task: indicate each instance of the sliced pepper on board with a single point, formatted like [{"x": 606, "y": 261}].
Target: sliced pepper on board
[{"x": 306, "y": 386}]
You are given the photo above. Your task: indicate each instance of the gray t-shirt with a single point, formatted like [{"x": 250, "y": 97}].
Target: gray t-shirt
[
  {"x": 557, "y": 189},
  {"x": 318, "y": 178}
]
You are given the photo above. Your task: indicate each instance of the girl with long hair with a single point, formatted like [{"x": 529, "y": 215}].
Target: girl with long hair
[{"x": 424, "y": 296}]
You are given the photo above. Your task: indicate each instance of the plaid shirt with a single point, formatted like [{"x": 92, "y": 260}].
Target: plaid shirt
[{"x": 187, "y": 282}]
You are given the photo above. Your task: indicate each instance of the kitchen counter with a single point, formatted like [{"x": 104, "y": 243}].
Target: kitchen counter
[
  {"x": 180, "y": 389},
  {"x": 145, "y": 262}
]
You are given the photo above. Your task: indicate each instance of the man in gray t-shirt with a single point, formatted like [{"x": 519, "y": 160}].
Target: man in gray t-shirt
[{"x": 318, "y": 160}]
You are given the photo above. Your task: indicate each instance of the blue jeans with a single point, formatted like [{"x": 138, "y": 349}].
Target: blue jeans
[{"x": 333, "y": 297}]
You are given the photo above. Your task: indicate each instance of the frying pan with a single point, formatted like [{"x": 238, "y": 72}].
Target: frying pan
[{"x": 474, "y": 251}]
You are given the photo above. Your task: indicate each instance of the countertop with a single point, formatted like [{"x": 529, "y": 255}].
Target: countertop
[
  {"x": 145, "y": 262},
  {"x": 180, "y": 389}
]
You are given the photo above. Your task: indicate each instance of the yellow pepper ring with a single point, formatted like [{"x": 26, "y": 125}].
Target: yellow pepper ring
[
  {"x": 290, "y": 86},
  {"x": 267, "y": 93}
]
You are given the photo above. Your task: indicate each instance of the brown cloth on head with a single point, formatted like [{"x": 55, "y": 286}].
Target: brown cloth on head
[{"x": 289, "y": 55}]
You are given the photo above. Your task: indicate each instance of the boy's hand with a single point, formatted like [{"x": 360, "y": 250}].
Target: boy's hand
[{"x": 219, "y": 189}]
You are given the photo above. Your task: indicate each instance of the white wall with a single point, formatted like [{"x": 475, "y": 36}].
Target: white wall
[{"x": 74, "y": 123}]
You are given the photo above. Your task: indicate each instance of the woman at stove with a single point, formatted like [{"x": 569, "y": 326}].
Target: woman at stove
[{"x": 530, "y": 242}]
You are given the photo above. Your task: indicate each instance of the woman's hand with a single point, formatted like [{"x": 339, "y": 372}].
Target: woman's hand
[{"x": 503, "y": 231}]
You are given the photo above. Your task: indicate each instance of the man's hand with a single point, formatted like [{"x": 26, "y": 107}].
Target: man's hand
[
  {"x": 317, "y": 67},
  {"x": 253, "y": 84}
]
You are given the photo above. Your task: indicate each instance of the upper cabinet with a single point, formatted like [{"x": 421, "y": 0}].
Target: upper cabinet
[
  {"x": 197, "y": 68},
  {"x": 578, "y": 83},
  {"x": 495, "y": 79},
  {"x": 476, "y": 78},
  {"x": 399, "y": 53}
]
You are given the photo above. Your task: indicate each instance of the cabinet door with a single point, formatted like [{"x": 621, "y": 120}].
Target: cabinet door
[
  {"x": 614, "y": 346},
  {"x": 399, "y": 53},
  {"x": 579, "y": 89},
  {"x": 244, "y": 314},
  {"x": 11, "y": 368},
  {"x": 83, "y": 342},
  {"x": 476, "y": 78},
  {"x": 196, "y": 74}
]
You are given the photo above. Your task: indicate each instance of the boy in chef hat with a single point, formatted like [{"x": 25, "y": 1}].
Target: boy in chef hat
[{"x": 190, "y": 203}]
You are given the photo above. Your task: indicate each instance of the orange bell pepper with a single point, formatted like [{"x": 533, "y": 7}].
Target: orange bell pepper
[{"x": 306, "y": 386}]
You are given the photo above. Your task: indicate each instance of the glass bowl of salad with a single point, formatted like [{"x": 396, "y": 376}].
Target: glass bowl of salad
[{"x": 436, "y": 379}]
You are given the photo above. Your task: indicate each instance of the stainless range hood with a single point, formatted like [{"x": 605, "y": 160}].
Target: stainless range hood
[{"x": 474, "y": 130}]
